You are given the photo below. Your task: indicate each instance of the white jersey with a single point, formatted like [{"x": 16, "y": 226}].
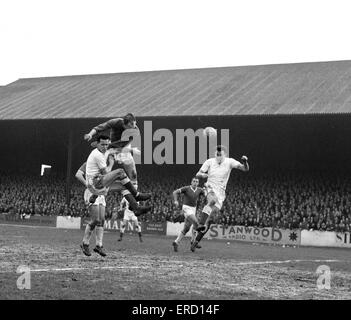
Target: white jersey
[
  {"x": 218, "y": 174},
  {"x": 96, "y": 161},
  {"x": 128, "y": 214}
]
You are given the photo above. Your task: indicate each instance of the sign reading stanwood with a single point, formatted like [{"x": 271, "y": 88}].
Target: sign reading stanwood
[{"x": 254, "y": 234}]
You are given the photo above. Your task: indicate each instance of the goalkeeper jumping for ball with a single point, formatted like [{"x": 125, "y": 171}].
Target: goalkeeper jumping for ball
[
  {"x": 122, "y": 134},
  {"x": 217, "y": 172}
]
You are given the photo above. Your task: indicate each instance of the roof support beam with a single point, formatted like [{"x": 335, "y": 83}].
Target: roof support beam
[{"x": 69, "y": 166}]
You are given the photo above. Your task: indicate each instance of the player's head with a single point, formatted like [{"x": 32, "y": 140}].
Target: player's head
[
  {"x": 129, "y": 121},
  {"x": 220, "y": 153},
  {"x": 103, "y": 142},
  {"x": 194, "y": 182}
]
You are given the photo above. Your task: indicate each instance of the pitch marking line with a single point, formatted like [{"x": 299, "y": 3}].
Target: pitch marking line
[
  {"x": 81, "y": 269},
  {"x": 29, "y": 226},
  {"x": 284, "y": 262},
  {"x": 162, "y": 267}
]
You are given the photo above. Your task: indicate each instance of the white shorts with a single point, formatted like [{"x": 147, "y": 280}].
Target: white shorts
[
  {"x": 129, "y": 215},
  {"x": 217, "y": 193},
  {"x": 187, "y": 210},
  {"x": 99, "y": 200}
]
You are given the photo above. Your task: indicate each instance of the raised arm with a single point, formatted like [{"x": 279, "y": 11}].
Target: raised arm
[{"x": 244, "y": 166}]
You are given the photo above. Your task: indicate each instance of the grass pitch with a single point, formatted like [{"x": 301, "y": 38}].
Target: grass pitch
[{"x": 151, "y": 270}]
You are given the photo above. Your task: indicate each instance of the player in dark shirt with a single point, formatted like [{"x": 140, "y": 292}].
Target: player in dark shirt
[
  {"x": 191, "y": 196},
  {"x": 122, "y": 132}
]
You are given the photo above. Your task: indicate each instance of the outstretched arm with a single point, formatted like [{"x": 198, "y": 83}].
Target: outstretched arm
[
  {"x": 101, "y": 127},
  {"x": 90, "y": 135}
]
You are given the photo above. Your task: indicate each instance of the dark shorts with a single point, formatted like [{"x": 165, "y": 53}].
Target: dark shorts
[{"x": 203, "y": 218}]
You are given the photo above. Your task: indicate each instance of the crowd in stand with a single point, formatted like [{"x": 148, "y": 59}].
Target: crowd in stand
[
  {"x": 281, "y": 200},
  {"x": 29, "y": 195}
]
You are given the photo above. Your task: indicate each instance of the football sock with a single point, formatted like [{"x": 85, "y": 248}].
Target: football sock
[
  {"x": 193, "y": 235},
  {"x": 199, "y": 236},
  {"x": 133, "y": 205},
  {"x": 138, "y": 229},
  {"x": 180, "y": 237},
  {"x": 129, "y": 186},
  {"x": 99, "y": 236},
  {"x": 87, "y": 234}
]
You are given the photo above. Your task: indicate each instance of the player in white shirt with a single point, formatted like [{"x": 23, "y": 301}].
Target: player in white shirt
[
  {"x": 100, "y": 176},
  {"x": 96, "y": 212},
  {"x": 217, "y": 172},
  {"x": 128, "y": 216}
]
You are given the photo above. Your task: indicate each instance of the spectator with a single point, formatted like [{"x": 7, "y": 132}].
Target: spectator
[{"x": 280, "y": 200}]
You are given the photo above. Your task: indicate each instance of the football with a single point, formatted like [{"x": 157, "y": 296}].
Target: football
[{"x": 210, "y": 132}]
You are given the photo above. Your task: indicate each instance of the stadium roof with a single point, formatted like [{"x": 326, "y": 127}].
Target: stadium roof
[{"x": 303, "y": 88}]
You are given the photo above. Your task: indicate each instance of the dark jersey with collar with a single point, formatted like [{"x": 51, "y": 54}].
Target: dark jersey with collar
[
  {"x": 191, "y": 196},
  {"x": 116, "y": 132}
]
